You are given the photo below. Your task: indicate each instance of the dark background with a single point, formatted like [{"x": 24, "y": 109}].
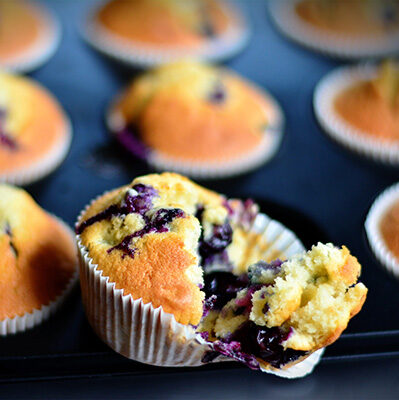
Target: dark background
[{"x": 310, "y": 173}]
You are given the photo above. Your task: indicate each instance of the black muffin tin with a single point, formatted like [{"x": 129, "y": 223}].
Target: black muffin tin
[{"x": 313, "y": 186}]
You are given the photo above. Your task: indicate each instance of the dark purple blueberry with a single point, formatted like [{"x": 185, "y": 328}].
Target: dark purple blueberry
[
  {"x": 8, "y": 232},
  {"x": 264, "y": 343},
  {"x": 224, "y": 286},
  {"x": 165, "y": 216},
  {"x": 218, "y": 94},
  {"x": 140, "y": 203},
  {"x": 157, "y": 224},
  {"x": 220, "y": 238},
  {"x": 246, "y": 300}
]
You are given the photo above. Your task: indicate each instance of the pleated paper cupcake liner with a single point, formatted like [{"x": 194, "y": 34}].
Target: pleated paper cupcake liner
[
  {"x": 339, "y": 129},
  {"x": 206, "y": 169},
  {"x": 372, "y": 225},
  {"x": 44, "y": 166},
  {"x": 144, "y": 55},
  {"x": 44, "y": 47},
  {"x": 330, "y": 43},
  {"x": 29, "y": 320},
  {"x": 150, "y": 335}
]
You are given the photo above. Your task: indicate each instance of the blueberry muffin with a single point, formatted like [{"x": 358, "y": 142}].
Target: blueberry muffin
[
  {"x": 188, "y": 116},
  {"x": 150, "y": 32},
  {"x": 28, "y": 35},
  {"x": 34, "y": 131},
  {"x": 38, "y": 258},
  {"x": 176, "y": 245},
  {"x": 372, "y": 106},
  {"x": 149, "y": 237}
]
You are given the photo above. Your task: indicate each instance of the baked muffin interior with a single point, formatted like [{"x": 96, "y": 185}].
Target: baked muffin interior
[
  {"x": 177, "y": 245},
  {"x": 280, "y": 312}
]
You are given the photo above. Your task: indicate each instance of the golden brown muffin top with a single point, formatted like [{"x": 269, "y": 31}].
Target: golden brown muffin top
[
  {"x": 19, "y": 28},
  {"x": 353, "y": 17},
  {"x": 373, "y": 106},
  {"x": 38, "y": 254},
  {"x": 192, "y": 111},
  {"x": 164, "y": 22},
  {"x": 31, "y": 122}
]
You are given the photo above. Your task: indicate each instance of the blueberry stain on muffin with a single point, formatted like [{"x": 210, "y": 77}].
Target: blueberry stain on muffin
[{"x": 5, "y": 139}]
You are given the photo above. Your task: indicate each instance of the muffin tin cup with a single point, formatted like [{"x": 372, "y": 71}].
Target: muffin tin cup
[
  {"x": 150, "y": 335},
  {"x": 338, "y": 128},
  {"x": 46, "y": 164},
  {"x": 330, "y": 43},
  {"x": 143, "y": 55},
  {"x": 29, "y": 320},
  {"x": 372, "y": 226},
  {"x": 263, "y": 153},
  {"x": 44, "y": 47}
]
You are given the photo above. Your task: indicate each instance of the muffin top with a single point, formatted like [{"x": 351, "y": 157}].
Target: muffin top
[
  {"x": 352, "y": 18},
  {"x": 151, "y": 236},
  {"x": 373, "y": 106},
  {"x": 193, "y": 111},
  {"x": 19, "y": 29},
  {"x": 38, "y": 257},
  {"x": 165, "y": 22},
  {"x": 285, "y": 310},
  {"x": 31, "y": 122},
  {"x": 389, "y": 227}
]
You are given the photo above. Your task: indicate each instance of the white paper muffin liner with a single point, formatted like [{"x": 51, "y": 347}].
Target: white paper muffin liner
[
  {"x": 44, "y": 47},
  {"x": 29, "y": 320},
  {"x": 150, "y": 335},
  {"x": 46, "y": 164},
  {"x": 330, "y": 43},
  {"x": 144, "y": 55},
  {"x": 338, "y": 128},
  {"x": 206, "y": 169},
  {"x": 372, "y": 225}
]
